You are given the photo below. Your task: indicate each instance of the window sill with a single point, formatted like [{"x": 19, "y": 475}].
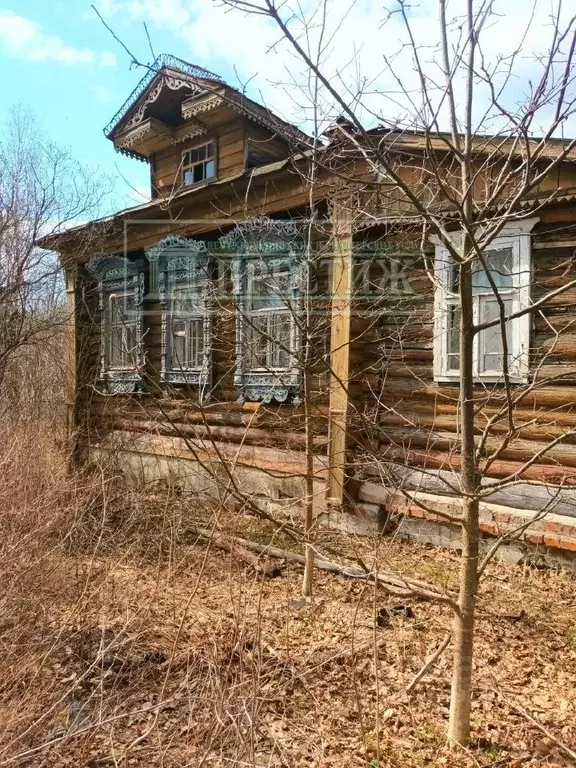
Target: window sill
[
  {"x": 481, "y": 380},
  {"x": 121, "y": 381},
  {"x": 199, "y": 184}
]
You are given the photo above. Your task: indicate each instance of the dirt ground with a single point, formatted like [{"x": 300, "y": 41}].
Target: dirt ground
[{"x": 189, "y": 658}]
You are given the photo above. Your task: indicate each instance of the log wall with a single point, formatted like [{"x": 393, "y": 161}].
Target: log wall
[{"x": 404, "y": 417}]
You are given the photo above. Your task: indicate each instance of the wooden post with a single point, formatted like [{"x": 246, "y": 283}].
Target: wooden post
[
  {"x": 71, "y": 279},
  {"x": 80, "y": 360},
  {"x": 339, "y": 352}
]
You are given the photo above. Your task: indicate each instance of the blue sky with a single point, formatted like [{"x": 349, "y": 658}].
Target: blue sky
[{"x": 57, "y": 58}]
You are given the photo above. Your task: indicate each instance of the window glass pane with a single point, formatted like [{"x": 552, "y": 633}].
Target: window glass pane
[
  {"x": 257, "y": 337},
  {"x": 201, "y": 152},
  {"x": 187, "y": 301},
  {"x": 194, "y": 156},
  {"x": 490, "y": 340},
  {"x": 280, "y": 340},
  {"x": 269, "y": 337},
  {"x": 178, "y": 343},
  {"x": 210, "y": 169},
  {"x": 116, "y": 354},
  {"x": 120, "y": 330},
  {"x": 186, "y": 158},
  {"x": 270, "y": 289},
  {"x": 453, "y": 346},
  {"x": 198, "y": 172},
  {"x": 131, "y": 345},
  {"x": 187, "y": 326},
  {"x": 454, "y": 279},
  {"x": 499, "y": 263},
  {"x": 188, "y": 177},
  {"x": 196, "y": 342},
  {"x": 210, "y": 149}
]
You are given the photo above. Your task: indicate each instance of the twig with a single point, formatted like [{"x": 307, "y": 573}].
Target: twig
[
  {"x": 394, "y": 584},
  {"x": 430, "y": 662},
  {"x": 517, "y": 708},
  {"x": 134, "y": 60}
]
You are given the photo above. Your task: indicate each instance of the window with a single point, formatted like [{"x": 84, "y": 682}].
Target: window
[
  {"x": 267, "y": 274},
  {"x": 183, "y": 281},
  {"x": 121, "y": 297},
  {"x": 121, "y": 324},
  {"x": 187, "y": 326},
  {"x": 269, "y": 320},
  {"x": 507, "y": 261},
  {"x": 199, "y": 163}
]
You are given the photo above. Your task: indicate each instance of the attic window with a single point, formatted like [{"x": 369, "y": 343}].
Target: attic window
[{"x": 199, "y": 163}]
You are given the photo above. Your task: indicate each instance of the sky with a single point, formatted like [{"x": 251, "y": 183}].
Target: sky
[{"x": 58, "y": 59}]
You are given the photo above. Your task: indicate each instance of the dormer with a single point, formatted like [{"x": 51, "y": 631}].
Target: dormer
[{"x": 195, "y": 129}]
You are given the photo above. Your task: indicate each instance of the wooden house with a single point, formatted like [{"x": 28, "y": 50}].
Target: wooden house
[{"x": 190, "y": 358}]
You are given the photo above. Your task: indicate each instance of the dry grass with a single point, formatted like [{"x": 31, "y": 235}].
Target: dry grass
[{"x": 126, "y": 643}]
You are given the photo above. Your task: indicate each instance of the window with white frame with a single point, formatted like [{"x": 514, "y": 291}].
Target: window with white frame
[
  {"x": 121, "y": 297},
  {"x": 504, "y": 277},
  {"x": 199, "y": 163}
]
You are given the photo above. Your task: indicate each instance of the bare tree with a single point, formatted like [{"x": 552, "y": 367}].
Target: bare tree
[
  {"x": 43, "y": 190},
  {"x": 468, "y": 156}
]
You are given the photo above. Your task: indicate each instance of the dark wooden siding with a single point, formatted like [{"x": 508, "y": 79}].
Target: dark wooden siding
[{"x": 408, "y": 418}]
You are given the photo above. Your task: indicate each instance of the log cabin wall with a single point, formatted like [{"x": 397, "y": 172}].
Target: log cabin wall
[
  {"x": 399, "y": 417},
  {"x": 408, "y": 422},
  {"x": 165, "y": 429},
  {"x": 230, "y": 139}
]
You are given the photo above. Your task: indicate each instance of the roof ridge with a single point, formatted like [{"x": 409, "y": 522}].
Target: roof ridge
[{"x": 163, "y": 61}]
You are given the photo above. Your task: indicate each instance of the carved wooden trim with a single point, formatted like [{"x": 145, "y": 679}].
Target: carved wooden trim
[
  {"x": 191, "y": 107},
  {"x": 177, "y": 261},
  {"x": 270, "y": 243},
  {"x": 120, "y": 274}
]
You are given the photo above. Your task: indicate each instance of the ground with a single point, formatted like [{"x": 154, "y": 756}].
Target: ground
[{"x": 178, "y": 654}]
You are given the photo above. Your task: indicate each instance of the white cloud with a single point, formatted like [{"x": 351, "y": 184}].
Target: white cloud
[
  {"x": 24, "y": 38},
  {"x": 102, "y": 94},
  {"x": 107, "y": 59}
]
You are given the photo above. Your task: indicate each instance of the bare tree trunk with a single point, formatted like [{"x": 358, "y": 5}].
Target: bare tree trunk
[
  {"x": 308, "y": 578},
  {"x": 463, "y": 629},
  {"x": 459, "y": 724}
]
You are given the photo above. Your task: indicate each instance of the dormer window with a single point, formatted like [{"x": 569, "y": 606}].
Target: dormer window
[{"x": 199, "y": 163}]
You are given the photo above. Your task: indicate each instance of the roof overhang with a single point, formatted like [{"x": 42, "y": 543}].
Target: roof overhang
[{"x": 144, "y": 139}]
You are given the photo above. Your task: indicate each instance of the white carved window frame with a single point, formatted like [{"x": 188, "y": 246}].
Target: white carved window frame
[
  {"x": 177, "y": 263},
  {"x": 517, "y": 237},
  {"x": 118, "y": 276},
  {"x": 268, "y": 244}
]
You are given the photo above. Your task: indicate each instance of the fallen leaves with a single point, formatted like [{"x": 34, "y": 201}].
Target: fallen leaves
[{"x": 199, "y": 660}]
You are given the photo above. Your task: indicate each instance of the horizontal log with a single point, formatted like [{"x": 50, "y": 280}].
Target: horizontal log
[
  {"x": 520, "y": 495},
  {"x": 552, "y": 396},
  {"x": 272, "y": 460},
  {"x": 517, "y": 449},
  {"x": 433, "y": 459},
  {"x": 538, "y": 432},
  {"x": 248, "y": 435}
]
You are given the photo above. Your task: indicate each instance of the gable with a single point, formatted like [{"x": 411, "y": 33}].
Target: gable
[{"x": 176, "y": 102}]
